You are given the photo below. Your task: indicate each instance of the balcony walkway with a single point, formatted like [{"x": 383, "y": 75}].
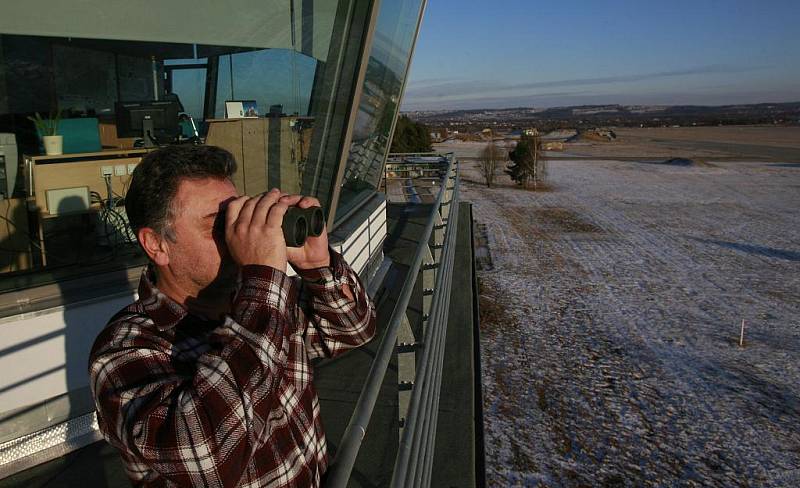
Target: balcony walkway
[{"x": 458, "y": 459}]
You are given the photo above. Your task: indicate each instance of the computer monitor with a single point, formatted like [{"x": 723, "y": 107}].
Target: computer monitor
[{"x": 155, "y": 121}]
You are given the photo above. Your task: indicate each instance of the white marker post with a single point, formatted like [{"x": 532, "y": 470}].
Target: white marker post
[{"x": 741, "y": 335}]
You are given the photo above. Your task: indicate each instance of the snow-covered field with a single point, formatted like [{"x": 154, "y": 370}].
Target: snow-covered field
[{"x": 612, "y": 312}]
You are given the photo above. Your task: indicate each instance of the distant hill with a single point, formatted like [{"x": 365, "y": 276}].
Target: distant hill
[{"x": 619, "y": 115}]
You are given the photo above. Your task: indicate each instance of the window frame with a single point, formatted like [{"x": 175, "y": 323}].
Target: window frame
[
  {"x": 334, "y": 222},
  {"x": 352, "y": 44}
]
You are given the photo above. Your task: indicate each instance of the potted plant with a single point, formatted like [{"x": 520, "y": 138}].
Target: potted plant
[{"x": 48, "y": 130}]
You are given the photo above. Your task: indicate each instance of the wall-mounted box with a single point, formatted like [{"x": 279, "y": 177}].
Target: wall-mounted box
[{"x": 65, "y": 201}]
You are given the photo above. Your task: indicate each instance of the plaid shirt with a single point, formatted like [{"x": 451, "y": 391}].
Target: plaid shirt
[{"x": 192, "y": 402}]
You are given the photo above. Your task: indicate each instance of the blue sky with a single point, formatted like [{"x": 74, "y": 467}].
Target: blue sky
[{"x": 511, "y": 53}]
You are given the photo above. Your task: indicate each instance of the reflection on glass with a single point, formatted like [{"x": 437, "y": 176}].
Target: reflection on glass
[
  {"x": 272, "y": 77},
  {"x": 386, "y": 71},
  {"x": 186, "y": 84},
  {"x": 275, "y": 61},
  {"x": 272, "y": 149}
]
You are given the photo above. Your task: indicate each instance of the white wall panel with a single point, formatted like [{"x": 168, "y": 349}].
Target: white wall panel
[{"x": 46, "y": 354}]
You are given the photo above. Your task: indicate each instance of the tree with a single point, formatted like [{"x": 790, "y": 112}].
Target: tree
[
  {"x": 489, "y": 160},
  {"x": 410, "y": 136},
  {"x": 528, "y": 164}
]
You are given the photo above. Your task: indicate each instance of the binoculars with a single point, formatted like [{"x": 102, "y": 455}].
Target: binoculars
[{"x": 299, "y": 223}]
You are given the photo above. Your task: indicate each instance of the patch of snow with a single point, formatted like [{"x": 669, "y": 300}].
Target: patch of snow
[{"x": 616, "y": 361}]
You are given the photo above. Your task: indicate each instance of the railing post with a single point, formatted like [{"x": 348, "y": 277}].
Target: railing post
[
  {"x": 437, "y": 236},
  {"x": 407, "y": 342},
  {"x": 406, "y": 369},
  {"x": 428, "y": 280},
  {"x": 419, "y": 375}
]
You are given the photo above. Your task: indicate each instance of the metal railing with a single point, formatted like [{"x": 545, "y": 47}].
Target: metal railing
[
  {"x": 419, "y": 406},
  {"x": 405, "y": 166}
]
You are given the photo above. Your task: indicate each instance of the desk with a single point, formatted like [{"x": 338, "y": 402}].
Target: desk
[
  {"x": 79, "y": 170},
  {"x": 44, "y": 173}
]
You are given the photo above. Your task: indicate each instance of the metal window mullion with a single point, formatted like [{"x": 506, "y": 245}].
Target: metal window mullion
[
  {"x": 354, "y": 108},
  {"x": 386, "y": 153},
  {"x": 332, "y": 141}
]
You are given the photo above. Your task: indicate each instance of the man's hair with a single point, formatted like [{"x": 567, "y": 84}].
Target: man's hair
[{"x": 155, "y": 180}]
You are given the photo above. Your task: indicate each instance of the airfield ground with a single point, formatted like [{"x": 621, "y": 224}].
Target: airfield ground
[{"x": 612, "y": 307}]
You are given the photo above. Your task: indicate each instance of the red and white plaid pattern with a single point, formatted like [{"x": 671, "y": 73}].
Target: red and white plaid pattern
[{"x": 191, "y": 402}]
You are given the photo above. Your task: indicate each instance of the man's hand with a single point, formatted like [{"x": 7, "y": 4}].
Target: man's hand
[
  {"x": 253, "y": 230},
  {"x": 314, "y": 253}
]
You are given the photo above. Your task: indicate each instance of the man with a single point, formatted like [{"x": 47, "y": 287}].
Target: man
[{"x": 205, "y": 380}]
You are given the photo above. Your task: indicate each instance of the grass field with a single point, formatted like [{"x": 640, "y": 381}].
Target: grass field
[{"x": 612, "y": 308}]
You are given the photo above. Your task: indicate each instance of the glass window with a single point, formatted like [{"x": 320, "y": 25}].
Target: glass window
[
  {"x": 185, "y": 82},
  {"x": 279, "y": 80},
  {"x": 388, "y": 63},
  {"x": 63, "y": 214}
]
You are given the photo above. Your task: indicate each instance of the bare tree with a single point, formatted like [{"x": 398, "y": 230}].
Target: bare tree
[
  {"x": 489, "y": 160},
  {"x": 539, "y": 172},
  {"x": 528, "y": 162}
]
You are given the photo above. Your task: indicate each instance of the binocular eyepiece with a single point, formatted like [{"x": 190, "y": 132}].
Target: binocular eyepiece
[{"x": 299, "y": 223}]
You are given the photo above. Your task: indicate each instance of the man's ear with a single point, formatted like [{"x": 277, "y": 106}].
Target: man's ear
[{"x": 154, "y": 245}]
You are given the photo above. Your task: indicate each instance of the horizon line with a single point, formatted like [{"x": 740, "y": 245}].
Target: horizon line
[{"x": 521, "y": 107}]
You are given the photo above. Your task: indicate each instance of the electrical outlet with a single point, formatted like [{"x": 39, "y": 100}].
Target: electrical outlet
[
  {"x": 119, "y": 170},
  {"x": 131, "y": 167},
  {"x": 106, "y": 171}
]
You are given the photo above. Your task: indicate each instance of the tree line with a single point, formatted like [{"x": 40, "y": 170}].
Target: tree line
[
  {"x": 526, "y": 162},
  {"x": 410, "y": 137},
  {"x": 527, "y": 165}
]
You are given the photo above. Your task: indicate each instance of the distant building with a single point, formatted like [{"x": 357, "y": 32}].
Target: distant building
[
  {"x": 601, "y": 133},
  {"x": 563, "y": 135},
  {"x": 553, "y": 146}
]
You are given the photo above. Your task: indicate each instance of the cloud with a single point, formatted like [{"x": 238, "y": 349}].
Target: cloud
[
  {"x": 564, "y": 99},
  {"x": 431, "y": 81},
  {"x": 441, "y": 90},
  {"x": 537, "y": 100}
]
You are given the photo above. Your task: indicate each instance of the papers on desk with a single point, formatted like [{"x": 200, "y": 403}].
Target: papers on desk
[{"x": 241, "y": 109}]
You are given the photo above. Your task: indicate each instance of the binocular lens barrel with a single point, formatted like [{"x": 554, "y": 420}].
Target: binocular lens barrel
[
  {"x": 299, "y": 223},
  {"x": 316, "y": 221}
]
